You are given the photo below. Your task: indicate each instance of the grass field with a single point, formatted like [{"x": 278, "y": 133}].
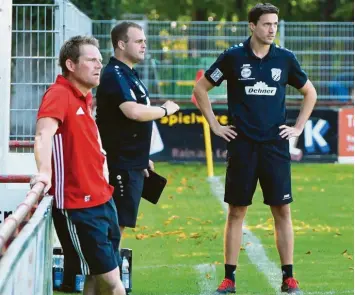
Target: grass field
[{"x": 178, "y": 244}]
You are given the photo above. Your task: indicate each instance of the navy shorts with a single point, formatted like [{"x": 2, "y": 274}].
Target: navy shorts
[
  {"x": 248, "y": 162},
  {"x": 89, "y": 237},
  {"x": 127, "y": 194}
]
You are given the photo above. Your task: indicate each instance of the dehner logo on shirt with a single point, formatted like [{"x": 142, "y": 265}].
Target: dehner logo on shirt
[{"x": 260, "y": 88}]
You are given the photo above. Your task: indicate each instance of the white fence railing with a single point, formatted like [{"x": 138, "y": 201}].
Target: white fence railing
[{"x": 26, "y": 266}]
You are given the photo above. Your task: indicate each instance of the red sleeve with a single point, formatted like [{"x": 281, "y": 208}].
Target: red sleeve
[{"x": 54, "y": 104}]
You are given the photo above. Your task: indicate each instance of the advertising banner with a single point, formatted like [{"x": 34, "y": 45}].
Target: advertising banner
[
  {"x": 346, "y": 135},
  {"x": 182, "y": 139}
]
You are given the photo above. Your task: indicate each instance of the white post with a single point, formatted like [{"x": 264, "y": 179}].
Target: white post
[{"x": 5, "y": 77}]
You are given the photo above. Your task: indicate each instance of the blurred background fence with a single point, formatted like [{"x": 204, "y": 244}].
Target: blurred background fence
[{"x": 176, "y": 51}]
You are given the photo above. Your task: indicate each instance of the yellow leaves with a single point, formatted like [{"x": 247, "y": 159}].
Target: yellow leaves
[
  {"x": 157, "y": 234},
  {"x": 170, "y": 219},
  {"x": 208, "y": 276},
  {"x": 141, "y": 236},
  {"x": 182, "y": 236},
  {"x": 193, "y": 218},
  {"x": 346, "y": 255},
  {"x": 195, "y": 235},
  {"x": 140, "y": 216},
  {"x": 194, "y": 254},
  {"x": 179, "y": 189},
  {"x": 183, "y": 181}
]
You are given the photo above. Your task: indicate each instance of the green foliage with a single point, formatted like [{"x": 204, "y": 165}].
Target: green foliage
[{"x": 231, "y": 10}]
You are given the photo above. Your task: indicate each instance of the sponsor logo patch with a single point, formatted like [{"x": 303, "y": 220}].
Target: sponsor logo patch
[
  {"x": 216, "y": 75},
  {"x": 260, "y": 88},
  {"x": 246, "y": 72}
]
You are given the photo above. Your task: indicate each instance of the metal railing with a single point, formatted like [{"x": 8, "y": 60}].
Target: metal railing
[
  {"x": 29, "y": 256},
  {"x": 13, "y": 221},
  {"x": 39, "y": 31},
  {"x": 177, "y": 50}
]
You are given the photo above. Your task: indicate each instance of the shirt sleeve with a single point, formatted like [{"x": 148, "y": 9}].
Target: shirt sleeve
[
  {"x": 296, "y": 77},
  {"x": 219, "y": 70},
  {"x": 54, "y": 105},
  {"x": 119, "y": 88}
]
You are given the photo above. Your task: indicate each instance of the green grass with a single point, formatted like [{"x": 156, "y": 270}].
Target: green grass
[{"x": 185, "y": 229}]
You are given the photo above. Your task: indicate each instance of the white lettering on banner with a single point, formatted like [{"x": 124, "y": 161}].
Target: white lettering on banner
[
  {"x": 350, "y": 120},
  {"x": 315, "y": 135},
  {"x": 260, "y": 88}
]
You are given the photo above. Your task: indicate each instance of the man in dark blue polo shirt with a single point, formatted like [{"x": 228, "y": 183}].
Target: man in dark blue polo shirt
[
  {"x": 257, "y": 72},
  {"x": 124, "y": 117}
]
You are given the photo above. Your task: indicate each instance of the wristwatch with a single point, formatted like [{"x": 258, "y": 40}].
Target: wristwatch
[{"x": 166, "y": 111}]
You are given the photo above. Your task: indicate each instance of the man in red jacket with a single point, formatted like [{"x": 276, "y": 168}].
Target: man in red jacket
[{"x": 72, "y": 164}]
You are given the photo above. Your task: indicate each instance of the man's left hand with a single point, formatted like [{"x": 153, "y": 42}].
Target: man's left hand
[{"x": 288, "y": 132}]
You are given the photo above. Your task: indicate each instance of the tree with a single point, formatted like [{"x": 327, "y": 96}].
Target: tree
[{"x": 201, "y": 10}]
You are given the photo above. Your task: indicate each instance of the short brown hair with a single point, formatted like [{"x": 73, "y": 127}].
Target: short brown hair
[
  {"x": 119, "y": 32},
  {"x": 260, "y": 9},
  {"x": 71, "y": 50}
]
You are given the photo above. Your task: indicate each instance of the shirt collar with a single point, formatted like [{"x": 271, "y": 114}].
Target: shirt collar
[
  {"x": 114, "y": 61},
  {"x": 77, "y": 93},
  {"x": 250, "y": 52}
]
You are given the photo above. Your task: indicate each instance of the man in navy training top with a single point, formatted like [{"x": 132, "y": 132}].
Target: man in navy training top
[
  {"x": 124, "y": 118},
  {"x": 257, "y": 72}
]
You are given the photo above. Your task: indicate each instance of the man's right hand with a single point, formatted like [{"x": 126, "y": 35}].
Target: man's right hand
[
  {"x": 226, "y": 132},
  {"x": 41, "y": 177},
  {"x": 171, "y": 107}
]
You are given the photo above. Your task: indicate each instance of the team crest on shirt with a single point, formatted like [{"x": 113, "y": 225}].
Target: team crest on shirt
[
  {"x": 246, "y": 72},
  {"x": 276, "y": 74}
]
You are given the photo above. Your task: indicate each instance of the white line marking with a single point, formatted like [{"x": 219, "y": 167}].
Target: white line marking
[
  {"x": 207, "y": 282},
  {"x": 254, "y": 249},
  {"x": 256, "y": 252}
]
